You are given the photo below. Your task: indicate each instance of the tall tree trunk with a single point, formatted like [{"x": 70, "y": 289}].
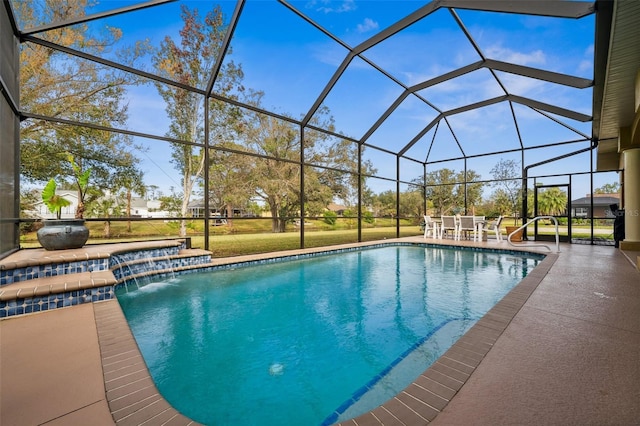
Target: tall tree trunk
[
  {"x": 107, "y": 228},
  {"x": 183, "y": 212},
  {"x": 229, "y": 215},
  {"x": 275, "y": 221},
  {"x": 129, "y": 210}
]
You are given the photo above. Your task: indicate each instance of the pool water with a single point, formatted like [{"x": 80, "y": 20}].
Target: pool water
[{"x": 311, "y": 341}]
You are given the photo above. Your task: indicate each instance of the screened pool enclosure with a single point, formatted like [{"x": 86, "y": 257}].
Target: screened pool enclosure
[{"x": 311, "y": 122}]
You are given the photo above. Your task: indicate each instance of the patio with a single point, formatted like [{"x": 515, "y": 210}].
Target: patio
[{"x": 568, "y": 356}]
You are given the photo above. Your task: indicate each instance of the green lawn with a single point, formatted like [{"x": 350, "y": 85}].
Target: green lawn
[
  {"x": 250, "y": 236},
  {"x": 242, "y": 236}
]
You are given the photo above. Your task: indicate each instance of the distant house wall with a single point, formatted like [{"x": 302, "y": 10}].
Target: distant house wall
[
  {"x": 41, "y": 210},
  {"x": 581, "y": 208},
  {"x": 337, "y": 208}
]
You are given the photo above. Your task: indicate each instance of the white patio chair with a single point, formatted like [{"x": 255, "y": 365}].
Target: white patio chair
[
  {"x": 430, "y": 227},
  {"x": 449, "y": 223},
  {"x": 495, "y": 226},
  {"x": 466, "y": 225}
]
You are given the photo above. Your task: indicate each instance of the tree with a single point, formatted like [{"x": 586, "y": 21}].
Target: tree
[
  {"x": 608, "y": 188},
  {"x": 58, "y": 85},
  {"x": 275, "y": 169},
  {"x": 231, "y": 181},
  {"x": 441, "y": 191},
  {"x": 343, "y": 155},
  {"x": 445, "y": 189},
  {"x": 130, "y": 181},
  {"x": 552, "y": 201},
  {"x": 106, "y": 207},
  {"x": 508, "y": 195},
  {"x": 473, "y": 188},
  {"x": 190, "y": 61},
  {"x": 171, "y": 203},
  {"x": 411, "y": 204},
  {"x": 385, "y": 204},
  {"x": 277, "y": 182},
  {"x": 151, "y": 191}
]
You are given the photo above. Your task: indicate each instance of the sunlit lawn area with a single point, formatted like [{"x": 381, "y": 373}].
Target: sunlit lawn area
[
  {"x": 249, "y": 236},
  {"x": 243, "y": 236}
]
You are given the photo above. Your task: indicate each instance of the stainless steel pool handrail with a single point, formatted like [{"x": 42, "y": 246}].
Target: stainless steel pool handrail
[{"x": 537, "y": 244}]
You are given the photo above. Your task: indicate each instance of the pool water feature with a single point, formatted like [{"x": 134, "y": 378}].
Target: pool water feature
[{"x": 312, "y": 341}]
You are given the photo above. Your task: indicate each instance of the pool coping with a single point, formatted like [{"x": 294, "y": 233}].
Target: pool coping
[
  {"x": 133, "y": 397},
  {"x": 429, "y": 394}
]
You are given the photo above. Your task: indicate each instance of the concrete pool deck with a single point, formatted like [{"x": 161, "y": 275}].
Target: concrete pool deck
[{"x": 569, "y": 354}]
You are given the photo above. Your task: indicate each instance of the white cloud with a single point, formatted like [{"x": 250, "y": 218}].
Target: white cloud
[
  {"x": 367, "y": 25},
  {"x": 589, "y": 50},
  {"x": 329, "y": 6},
  {"x": 537, "y": 57},
  {"x": 522, "y": 86},
  {"x": 585, "y": 66}
]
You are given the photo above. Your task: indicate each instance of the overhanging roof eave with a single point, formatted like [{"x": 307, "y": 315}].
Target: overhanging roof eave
[{"x": 558, "y": 9}]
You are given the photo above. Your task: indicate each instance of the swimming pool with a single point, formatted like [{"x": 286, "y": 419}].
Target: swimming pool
[{"x": 312, "y": 341}]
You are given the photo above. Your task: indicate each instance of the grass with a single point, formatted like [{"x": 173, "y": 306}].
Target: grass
[
  {"x": 242, "y": 236},
  {"x": 235, "y": 245},
  {"x": 251, "y": 236}
]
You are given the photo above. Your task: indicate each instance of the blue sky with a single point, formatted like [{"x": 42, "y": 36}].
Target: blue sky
[{"x": 291, "y": 62}]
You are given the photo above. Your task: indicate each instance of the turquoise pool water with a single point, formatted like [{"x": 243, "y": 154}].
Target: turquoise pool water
[{"x": 311, "y": 341}]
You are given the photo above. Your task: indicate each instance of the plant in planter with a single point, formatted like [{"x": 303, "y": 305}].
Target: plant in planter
[
  {"x": 60, "y": 234},
  {"x": 82, "y": 183},
  {"x": 53, "y": 201}
]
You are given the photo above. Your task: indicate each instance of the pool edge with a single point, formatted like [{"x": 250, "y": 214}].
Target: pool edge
[
  {"x": 419, "y": 402},
  {"x": 429, "y": 394}
]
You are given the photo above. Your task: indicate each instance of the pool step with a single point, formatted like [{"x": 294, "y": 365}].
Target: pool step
[
  {"x": 43, "y": 294},
  {"x": 159, "y": 266},
  {"x": 51, "y": 280}
]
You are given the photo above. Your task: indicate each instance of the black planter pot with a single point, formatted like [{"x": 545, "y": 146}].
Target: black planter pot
[{"x": 61, "y": 234}]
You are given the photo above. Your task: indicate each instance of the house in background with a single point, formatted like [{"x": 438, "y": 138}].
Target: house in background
[
  {"x": 196, "y": 209},
  {"x": 41, "y": 210},
  {"x": 337, "y": 208},
  {"x": 581, "y": 208},
  {"x": 139, "y": 207},
  {"x": 147, "y": 208}
]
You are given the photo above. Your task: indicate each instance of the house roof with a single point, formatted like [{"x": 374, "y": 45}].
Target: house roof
[
  {"x": 139, "y": 203},
  {"x": 336, "y": 207},
  {"x": 67, "y": 194},
  {"x": 597, "y": 201}
]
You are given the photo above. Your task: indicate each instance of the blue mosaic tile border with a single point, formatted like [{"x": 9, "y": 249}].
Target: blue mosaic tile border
[
  {"x": 142, "y": 255},
  {"x": 123, "y": 269},
  {"x": 10, "y": 276},
  {"x": 359, "y": 393},
  {"x": 140, "y": 282},
  {"x": 54, "y": 301},
  {"x": 370, "y": 247},
  {"x": 146, "y": 261}
]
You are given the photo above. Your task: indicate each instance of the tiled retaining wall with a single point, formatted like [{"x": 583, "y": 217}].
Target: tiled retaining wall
[
  {"x": 29, "y": 305},
  {"x": 30, "y": 272},
  {"x": 43, "y": 298}
]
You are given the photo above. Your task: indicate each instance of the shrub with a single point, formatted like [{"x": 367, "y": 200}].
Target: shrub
[
  {"x": 367, "y": 217},
  {"x": 330, "y": 217}
]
